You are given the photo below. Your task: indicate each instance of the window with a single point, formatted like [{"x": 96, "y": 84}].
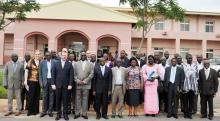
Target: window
[
  {"x": 209, "y": 53},
  {"x": 184, "y": 26},
  {"x": 209, "y": 26},
  {"x": 159, "y": 50},
  {"x": 184, "y": 52},
  {"x": 159, "y": 25}
]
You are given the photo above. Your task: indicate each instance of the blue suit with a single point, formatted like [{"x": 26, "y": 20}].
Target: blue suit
[{"x": 48, "y": 93}]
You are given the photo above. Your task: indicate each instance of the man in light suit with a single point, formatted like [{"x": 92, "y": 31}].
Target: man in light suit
[
  {"x": 13, "y": 81},
  {"x": 173, "y": 78},
  {"x": 83, "y": 73},
  {"x": 119, "y": 77},
  {"x": 45, "y": 82},
  {"x": 102, "y": 86},
  {"x": 208, "y": 87},
  {"x": 61, "y": 82}
]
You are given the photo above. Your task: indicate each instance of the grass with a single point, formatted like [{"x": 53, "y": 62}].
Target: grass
[{"x": 3, "y": 91}]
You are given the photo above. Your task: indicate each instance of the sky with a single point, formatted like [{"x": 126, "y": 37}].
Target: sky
[{"x": 189, "y": 5}]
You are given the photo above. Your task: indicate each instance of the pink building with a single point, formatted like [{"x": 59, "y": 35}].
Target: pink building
[{"x": 79, "y": 25}]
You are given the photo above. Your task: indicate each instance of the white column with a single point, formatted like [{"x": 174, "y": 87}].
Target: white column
[
  {"x": 149, "y": 46},
  {"x": 177, "y": 45},
  {"x": 204, "y": 47}
]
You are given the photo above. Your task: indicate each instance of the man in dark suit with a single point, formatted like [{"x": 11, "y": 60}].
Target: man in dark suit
[
  {"x": 91, "y": 96},
  {"x": 208, "y": 87},
  {"x": 102, "y": 86},
  {"x": 45, "y": 82},
  {"x": 62, "y": 79},
  {"x": 174, "y": 77},
  {"x": 24, "y": 91}
]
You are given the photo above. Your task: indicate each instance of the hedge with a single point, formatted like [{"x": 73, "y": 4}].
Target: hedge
[{"x": 3, "y": 91}]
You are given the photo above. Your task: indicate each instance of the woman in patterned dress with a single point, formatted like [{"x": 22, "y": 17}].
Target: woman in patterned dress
[{"x": 134, "y": 86}]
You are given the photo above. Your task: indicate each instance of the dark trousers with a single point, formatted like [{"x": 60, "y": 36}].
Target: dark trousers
[
  {"x": 62, "y": 99},
  {"x": 163, "y": 98},
  {"x": 91, "y": 99},
  {"x": 204, "y": 100},
  {"x": 101, "y": 102},
  {"x": 24, "y": 96},
  {"x": 195, "y": 104},
  {"x": 48, "y": 96},
  {"x": 172, "y": 99},
  {"x": 34, "y": 97},
  {"x": 188, "y": 103}
]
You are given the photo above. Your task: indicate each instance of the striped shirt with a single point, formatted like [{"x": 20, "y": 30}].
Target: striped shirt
[{"x": 190, "y": 82}]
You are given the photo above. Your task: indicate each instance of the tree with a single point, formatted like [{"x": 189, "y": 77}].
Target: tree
[
  {"x": 148, "y": 12},
  {"x": 12, "y": 10}
]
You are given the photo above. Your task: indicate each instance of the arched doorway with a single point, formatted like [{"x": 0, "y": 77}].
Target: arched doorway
[
  {"x": 73, "y": 40},
  {"x": 107, "y": 44},
  {"x": 36, "y": 41}
]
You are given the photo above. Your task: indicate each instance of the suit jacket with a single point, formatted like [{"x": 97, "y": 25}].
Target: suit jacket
[
  {"x": 92, "y": 80},
  {"x": 208, "y": 86},
  {"x": 125, "y": 63},
  {"x": 102, "y": 84},
  {"x": 62, "y": 77},
  {"x": 83, "y": 75},
  {"x": 43, "y": 72},
  {"x": 179, "y": 78},
  {"x": 13, "y": 79},
  {"x": 124, "y": 76}
]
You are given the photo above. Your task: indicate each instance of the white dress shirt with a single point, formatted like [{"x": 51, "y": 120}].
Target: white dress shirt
[
  {"x": 118, "y": 80},
  {"x": 103, "y": 70},
  {"x": 49, "y": 69},
  {"x": 207, "y": 71},
  {"x": 62, "y": 63},
  {"x": 173, "y": 74},
  {"x": 83, "y": 64}
]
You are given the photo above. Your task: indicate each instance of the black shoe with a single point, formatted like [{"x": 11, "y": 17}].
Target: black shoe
[
  {"x": 190, "y": 116},
  {"x": 29, "y": 114},
  {"x": 146, "y": 114},
  {"x": 153, "y": 115},
  {"x": 85, "y": 117},
  {"x": 169, "y": 116},
  {"x": 58, "y": 117},
  {"x": 120, "y": 116},
  {"x": 50, "y": 114},
  {"x": 42, "y": 115},
  {"x": 76, "y": 116},
  {"x": 185, "y": 116},
  {"x": 66, "y": 117},
  {"x": 175, "y": 116},
  {"x": 113, "y": 116},
  {"x": 105, "y": 117},
  {"x": 98, "y": 117},
  {"x": 210, "y": 118},
  {"x": 203, "y": 116}
]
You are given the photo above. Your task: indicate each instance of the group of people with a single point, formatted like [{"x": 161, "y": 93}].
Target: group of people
[{"x": 70, "y": 85}]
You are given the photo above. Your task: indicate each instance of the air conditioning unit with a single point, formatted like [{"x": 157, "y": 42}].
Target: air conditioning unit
[
  {"x": 164, "y": 33},
  {"x": 218, "y": 35}
]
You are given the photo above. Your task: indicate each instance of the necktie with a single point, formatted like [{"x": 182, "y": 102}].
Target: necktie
[
  {"x": 14, "y": 67},
  {"x": 206, "y": 74}
]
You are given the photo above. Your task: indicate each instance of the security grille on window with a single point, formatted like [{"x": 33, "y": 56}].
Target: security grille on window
[
  {"x": 159, "y": 25},
  {"x": 209, "y": 26},
  {"x": 184, "y": 52},
  {"x": 184, "y": 26},
  {"x": 209, "y": 53},
  {"x": 159, "y": 50}
]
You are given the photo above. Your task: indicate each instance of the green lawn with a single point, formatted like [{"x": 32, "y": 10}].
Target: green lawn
[{"x": 3, "y": 92}]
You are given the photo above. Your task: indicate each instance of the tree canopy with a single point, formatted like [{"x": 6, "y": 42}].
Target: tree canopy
[{"x": 16, "y": 9}]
